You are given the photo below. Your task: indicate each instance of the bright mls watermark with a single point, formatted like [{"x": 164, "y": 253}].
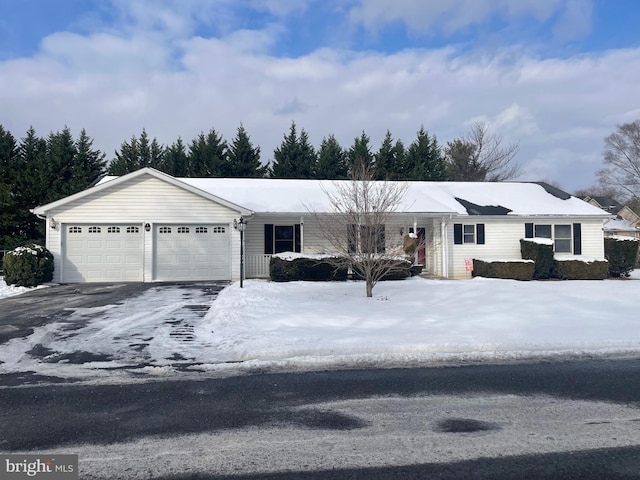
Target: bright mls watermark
[{"x": 50, "y": 467}]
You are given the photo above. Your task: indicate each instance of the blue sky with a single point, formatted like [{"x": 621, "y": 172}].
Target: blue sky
[{"x": 555, "y": 76}]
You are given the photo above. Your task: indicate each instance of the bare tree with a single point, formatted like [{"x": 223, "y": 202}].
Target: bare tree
[
  {"x": 622, "y": 159},
  {"x": 355, "y": 225},
  {"x": 480, "y": 156}
]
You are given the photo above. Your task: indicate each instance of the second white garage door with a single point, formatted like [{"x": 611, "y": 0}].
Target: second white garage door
[{"x": 192, "y": 252}]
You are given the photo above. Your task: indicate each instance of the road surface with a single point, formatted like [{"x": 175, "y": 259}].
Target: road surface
[{"x": 540, "y": 420}]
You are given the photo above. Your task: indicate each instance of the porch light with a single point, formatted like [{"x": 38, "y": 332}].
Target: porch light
[
  {"x": 52, "y": 223},
  {"x": 241, "y": 225}
]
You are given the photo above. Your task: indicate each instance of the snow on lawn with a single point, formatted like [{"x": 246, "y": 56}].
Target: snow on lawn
[
  {"x": 308, "y": 325},
  {"x": 10, "y": 290},
  {"x": 423, "y": 320}
]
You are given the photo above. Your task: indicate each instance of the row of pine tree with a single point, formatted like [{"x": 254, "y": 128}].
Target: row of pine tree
[
  {"x": 209, "y": 155},
  {"x": 37, "y": 170}
]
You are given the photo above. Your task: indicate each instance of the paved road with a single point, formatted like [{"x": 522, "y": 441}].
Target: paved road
[{"x": 572, "y": 420}]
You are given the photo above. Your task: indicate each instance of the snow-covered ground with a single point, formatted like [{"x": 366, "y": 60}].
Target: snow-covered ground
[{"x": 305, "y": 325}]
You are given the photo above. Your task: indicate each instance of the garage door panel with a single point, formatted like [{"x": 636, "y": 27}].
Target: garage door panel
[
  {"x": 102, "y": 253},
  {"x": 192, "y": 252}
]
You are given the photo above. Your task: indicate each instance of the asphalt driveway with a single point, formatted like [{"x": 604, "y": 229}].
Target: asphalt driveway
[{"x": 60, "y": 314}]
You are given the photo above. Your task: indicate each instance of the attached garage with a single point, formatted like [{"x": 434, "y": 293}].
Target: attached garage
[
  {"x": 192, "y": 252},
  {"x": 102, "y": 253}
]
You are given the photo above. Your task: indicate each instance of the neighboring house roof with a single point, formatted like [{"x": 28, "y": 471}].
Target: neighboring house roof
[
  {"x": 628, "y": 214},
  {"x": 606, "y": 203},
  {"x": 620, "y": 225},
  {"x": 262, "y": 195}
]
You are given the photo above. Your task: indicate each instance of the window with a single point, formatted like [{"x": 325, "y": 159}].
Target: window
[
  {"x": 75, "y": 229},
  {"x": 371, "y": 239},
  {"x": 567, "y": 238},
  {"x": 562, "y": 238},
  {"x": 202, "y": 229},
  {"x": 164, "y": 230},
  {"x": 113, "y": 230},
  {"x": 542, "y": 231},
  {"x": 133, "y": 229},
  {"x": 219, "y": 230},
  {"x": 95, "y": 230},
  {"x": 468, "y": 234},
  {"x": 183, "y": 229},
  {"x": 472, "y": 233},
  {"x": 281, "y": 238}
]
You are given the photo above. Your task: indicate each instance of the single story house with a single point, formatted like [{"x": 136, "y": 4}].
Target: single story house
[{"x": 148, "y": 226}]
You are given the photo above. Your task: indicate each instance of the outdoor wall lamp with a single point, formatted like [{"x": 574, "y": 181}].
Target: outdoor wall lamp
[
  {"x": 52, "y": 223},
  {"x": 147, "y": 227}
]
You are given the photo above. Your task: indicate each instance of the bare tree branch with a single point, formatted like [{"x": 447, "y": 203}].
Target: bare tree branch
[
  {"x": 622, "y": 159},
  {"x": 355, "y": 226},
  {"x": 481, "y": 156}
]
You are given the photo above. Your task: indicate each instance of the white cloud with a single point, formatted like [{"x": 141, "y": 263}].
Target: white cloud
[
  {"x": 114, "y": 84},
  {"x": 448, "y": 16}
]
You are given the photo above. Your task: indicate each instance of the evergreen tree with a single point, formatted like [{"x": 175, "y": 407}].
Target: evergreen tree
[
  {"x": 89, "y": 164},
  {"x": 9, "y": 209},
  {"x": 208, "y": 156},
  {"x": 360, "y": 153},
  {"x": 424, "y": 160},
  {"x": 175, "y": 160},
  {"x": 295, "y": 158},
  {"x": 60, "y": 158},
  {"x": 390, "y": 159},
  {"x": 136, "y": 154},
  {"x": 244, "y": 159},
  {"x": 332, "y": 160}
]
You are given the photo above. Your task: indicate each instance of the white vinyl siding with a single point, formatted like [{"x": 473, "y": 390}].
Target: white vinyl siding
[
  {"x": 502, "y": 239},
  {"x": 139, "y": 201}
]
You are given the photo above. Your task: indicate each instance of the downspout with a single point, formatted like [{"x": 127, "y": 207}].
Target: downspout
[
  {"x": 301, "y": 234},
  {"x": 445, "y": 248}
]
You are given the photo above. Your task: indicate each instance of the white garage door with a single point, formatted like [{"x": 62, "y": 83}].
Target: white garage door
[
  {"x": 102, "y": 253},
  {"x": 192, "y": 252}
]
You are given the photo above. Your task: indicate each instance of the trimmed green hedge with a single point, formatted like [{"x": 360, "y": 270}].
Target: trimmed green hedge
[
  {"x": 514, "y": 270},
  {"x": 622, "y": 255},
  {"x": 580, "y": 270},
  {"x": 307, "y": 269},
  {"x": 400, "y": 270},
  {"x": 28, "y": 266},
  {"x": 542, "y": 255}
]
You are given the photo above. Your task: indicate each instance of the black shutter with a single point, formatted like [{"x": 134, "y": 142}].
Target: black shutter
[
  {"x": 381, "y": 240},
  {"x": 528, "y": 230},
  {"x": 577, "y": 239},
  {"x": 352, "y": 238},
  {"x": 480, "y": 234},
  {"x": 268, "y": 238},
  {"x": 296, "y": 237},
  {"x": 457, "y": 233}
]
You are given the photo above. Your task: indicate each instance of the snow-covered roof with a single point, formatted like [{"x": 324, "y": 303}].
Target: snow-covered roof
[
  {"x": 298, "y": 196},
  {"x": 457, "y": 198},
  {"x": 620, "y": 225}
]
